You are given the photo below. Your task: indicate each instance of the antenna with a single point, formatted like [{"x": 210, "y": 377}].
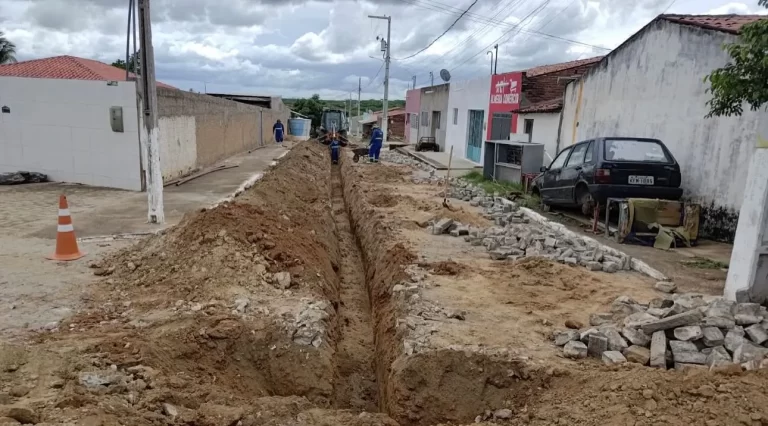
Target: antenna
[{"x": 445, "y": 75}]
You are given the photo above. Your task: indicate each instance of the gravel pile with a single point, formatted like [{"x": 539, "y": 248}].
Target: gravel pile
[
  {"x": 398, "y": 158},
  {"x": 676, "y": 331}
]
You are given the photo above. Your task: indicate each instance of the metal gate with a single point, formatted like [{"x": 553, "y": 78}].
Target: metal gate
[
  {"x": 475, "y": 134},
  {"x": 501, "y": 126}
]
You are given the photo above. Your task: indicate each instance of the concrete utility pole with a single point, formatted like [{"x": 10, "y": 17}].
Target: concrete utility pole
[
  {"x": 748, "y": 272},
  {"x": 359, "y": 90},
  {"x": 414, "y": 81},
  {"x": 150, "y": 136},
  {"x": 387, "y": 56},
  {"x": 491, "y": 52},
  {"x": 496, "y": 59},
  {"x": 431, "y": 79}
]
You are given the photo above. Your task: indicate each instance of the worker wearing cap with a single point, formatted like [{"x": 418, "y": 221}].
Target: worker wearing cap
[{"x": 377, "y": 139}]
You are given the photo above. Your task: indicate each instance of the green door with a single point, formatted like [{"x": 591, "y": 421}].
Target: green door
[{"x": 475, "y": 134}]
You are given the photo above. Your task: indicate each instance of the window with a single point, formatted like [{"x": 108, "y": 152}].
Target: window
[
  {"x": 641, "y": 151},
  {"x": 528, "y": 126},
  {"x": 577, "y": 158},
  {"x": 414, "y": 121},
  {"x": 455, "y": 116},
  {"x": 436, "y": 119},
  {"x": 425, "y": 119},
  {"x": 560, "y": 159},
  {"x": 589, "y": 156}
]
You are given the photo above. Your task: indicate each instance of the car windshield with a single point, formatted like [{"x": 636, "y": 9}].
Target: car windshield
[{"x": 643, "y": 151}]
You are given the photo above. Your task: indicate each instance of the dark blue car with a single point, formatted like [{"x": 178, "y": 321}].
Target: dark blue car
[{"x": 593, "y": 170}]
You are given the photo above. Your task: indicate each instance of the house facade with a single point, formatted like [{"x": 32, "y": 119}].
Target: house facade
[
  {"x": 468, "y": 115},
  {"x": 433, "y": 116},
  {"x": 653, "y": 86},
  {"x": 412, "y": 112}
]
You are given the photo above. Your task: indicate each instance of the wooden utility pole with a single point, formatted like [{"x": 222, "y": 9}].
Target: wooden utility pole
[{"x": 150, "y": 135}]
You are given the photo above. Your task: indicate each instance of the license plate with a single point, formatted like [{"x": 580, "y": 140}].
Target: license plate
[{"x": 641, "y": 180}]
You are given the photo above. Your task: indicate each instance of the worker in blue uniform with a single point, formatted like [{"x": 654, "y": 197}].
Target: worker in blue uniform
[
  {"x": 335, "y": 147},
  {"x": 374, "y": 149},
  {"x": 278, "y": 130}
]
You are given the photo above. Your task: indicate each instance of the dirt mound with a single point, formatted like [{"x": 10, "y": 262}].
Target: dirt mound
[
  {"x": 383, "y": 200},
  {"x": 448, "y": 267}
]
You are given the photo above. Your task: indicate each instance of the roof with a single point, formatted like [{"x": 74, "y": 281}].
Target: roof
[
  {"x": 727, "y": 23},
  {"x": 66, "y": 67},
  {"x": 553, "y": 105},
  {"x": 547, "y": 69}
]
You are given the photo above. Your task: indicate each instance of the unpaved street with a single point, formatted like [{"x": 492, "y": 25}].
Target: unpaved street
[{"x": 324, "y": 296}]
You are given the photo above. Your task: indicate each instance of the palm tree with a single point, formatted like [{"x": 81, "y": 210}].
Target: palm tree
[{"x": 7, "y": 50}]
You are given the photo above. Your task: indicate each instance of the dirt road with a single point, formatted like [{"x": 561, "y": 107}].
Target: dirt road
[{"x": 319, "y": 298}]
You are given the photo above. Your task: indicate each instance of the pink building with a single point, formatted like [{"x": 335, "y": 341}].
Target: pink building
[{"x": 412, "y": 106}]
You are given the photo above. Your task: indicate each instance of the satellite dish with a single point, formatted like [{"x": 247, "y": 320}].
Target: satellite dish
[{"x": 445, "y": 75}]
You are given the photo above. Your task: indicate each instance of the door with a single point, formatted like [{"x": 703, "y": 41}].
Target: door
[
  {"x": 435, "y": 124},
  {"x": 550, "y": 186},
  {"x": 475, "y": 134},
  {"x": 501, "y": 126},
  {"x": 571, "y": 173}
]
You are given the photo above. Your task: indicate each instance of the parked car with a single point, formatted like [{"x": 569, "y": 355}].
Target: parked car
[{"x": 593, "y": 170}]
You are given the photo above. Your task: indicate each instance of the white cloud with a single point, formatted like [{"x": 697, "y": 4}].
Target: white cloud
[{"x": 300, "y": 47}]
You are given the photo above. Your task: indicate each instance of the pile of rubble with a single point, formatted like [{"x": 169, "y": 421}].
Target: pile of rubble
[
  {"x": 677, "y": 331},
  {"x": 514, "y": 237},
  {"x": 398, "y": 158}
]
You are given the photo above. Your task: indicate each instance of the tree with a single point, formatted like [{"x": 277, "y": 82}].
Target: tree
[
  {"x": 312, "y": 108},
  {"x": 121, "y": 63},
  {"x": 745, "y": 77},
  {"x": 7, "y": 50}
]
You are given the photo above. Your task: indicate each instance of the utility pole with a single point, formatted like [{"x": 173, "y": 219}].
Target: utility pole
[
  {"x": 359, "y": 90},
  {"x": 387, "y": 56},
  {"x": 414, "y": 81},
  {"x": 150, "y": 132},
  {"x": 431, "y": 79},
  {"x": 496, "y": 59},
  {"x": 486, "y": 53}
]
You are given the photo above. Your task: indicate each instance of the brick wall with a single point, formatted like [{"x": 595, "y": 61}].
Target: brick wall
[{"x": 544, "y": 87}]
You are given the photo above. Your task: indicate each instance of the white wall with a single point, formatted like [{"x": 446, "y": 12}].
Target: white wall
[
  {"x": 466, "y": 95},
  {"x": 62, "y": 128},
  {"x": 654, "y": 87},
  {"x": 545, "y": 126},
  {"x": 178, "y": 146}
]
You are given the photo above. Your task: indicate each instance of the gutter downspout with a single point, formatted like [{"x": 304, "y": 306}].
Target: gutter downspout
[{"x": 562, "y": 111}]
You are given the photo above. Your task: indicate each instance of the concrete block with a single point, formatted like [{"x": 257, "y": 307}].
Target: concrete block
[
  {"x": 659, "y": 350},
  {"x": 688, "y": 333},
  {"x": 498, "y": 255},
  {"x": 686, "y": 353},
  {"x": 565, "y": 336},
  {"x": 733, "y": 339},
  {"x": 747, "y": 319},
  {"x": 666, "y": 287},
  {"x": 596, "y": 345},
  {"x": 718, "y": 356},
  {"x": 756, "y": 333},
  {"x": 750, "y": 309},
  {"x": 635, "y": 336},
  {"x": 615, "y": 341},
  {"x": 679, "y": 320},
  {"x": 584, "y": 337},
  {"x": 550, "y": 242},
  {"x": 637, "y": 354},
  {"x": 747, "y": 351},
  {"x": 681, "y": 366},
  {"x": 600, "y": 318},
  {"x": 575, "y": 350},
  {"x": 594, "y": 266},
  {"x": 441, "y": 226},
  {"x": 610, "y": 267},
  {"x": 712, "y": 336},
  {"x": 721, "y": 308},
  {"x": 719, "y": 322},
  {"x": 638, "y": 319},
  {"x": 613, "y": 358}
]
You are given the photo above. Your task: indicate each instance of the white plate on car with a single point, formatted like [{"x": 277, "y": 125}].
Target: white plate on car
[{"x": 641, "y": 180}]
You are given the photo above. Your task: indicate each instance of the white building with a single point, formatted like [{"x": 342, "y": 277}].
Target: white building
[
  {"x": 542, "y": 122},
  {"x": 653, "y": 86},
  {"x": 468, "y": 109}
]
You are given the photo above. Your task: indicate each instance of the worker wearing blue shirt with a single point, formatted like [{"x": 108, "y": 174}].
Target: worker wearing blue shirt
[
  {"x": 278, "y": 130},
  {"x": 374, "y": 149},
  {"x": 335, "y": 147}
]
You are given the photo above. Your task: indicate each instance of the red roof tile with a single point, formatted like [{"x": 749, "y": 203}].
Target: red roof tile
[
  {"x": 546, "y": 69},
  {"x": 66, "y": 67},
  {"x": 545, "y": 106},
  {"x": 727, "y": 23}
]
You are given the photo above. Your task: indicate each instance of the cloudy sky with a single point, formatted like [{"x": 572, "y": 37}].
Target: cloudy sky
[{"x": 299, "y": 47}]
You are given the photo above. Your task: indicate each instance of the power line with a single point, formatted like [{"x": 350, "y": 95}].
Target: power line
[{"x": 444, "y": 32}]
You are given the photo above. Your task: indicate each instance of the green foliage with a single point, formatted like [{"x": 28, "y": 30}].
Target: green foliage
[
  {"x": 121, "y": 63},
  {"x": 7, "y": 50},
  {"x": 512, "y": 190},
  {"x": 745, "y": 78},
  {"x": 311, "y": 108}
]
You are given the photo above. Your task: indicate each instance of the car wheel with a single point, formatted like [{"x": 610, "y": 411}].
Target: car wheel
[{"x": 586, "y": 202}]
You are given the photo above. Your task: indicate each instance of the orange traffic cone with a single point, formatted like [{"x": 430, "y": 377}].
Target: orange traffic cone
[{"x": 66, "y": 243}]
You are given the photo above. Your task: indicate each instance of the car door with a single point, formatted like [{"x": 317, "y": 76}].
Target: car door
[
  {"x": 571, "y": 172},
  {"x": 550, "y": 181}
]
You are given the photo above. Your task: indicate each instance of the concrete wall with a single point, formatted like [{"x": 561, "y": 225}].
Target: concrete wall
[
  {"x": 223, "y": 128},
  {"x": 178, "y": 147},
  {"x": 545, "y": 126},
  {"x": 654, "y": 86},
  {"x": 62, "y": 128},
  {"x": 412, "y": 105},
  {"x": 466, "y": 95},
  {"x": 435, "y": 98}
]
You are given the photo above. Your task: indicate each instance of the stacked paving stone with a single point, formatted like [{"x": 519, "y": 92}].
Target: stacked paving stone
[
  {"x": 514, "y": 237},
  {"x": 398, "y": 158},
  {"x": 676, "y": 331}
]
